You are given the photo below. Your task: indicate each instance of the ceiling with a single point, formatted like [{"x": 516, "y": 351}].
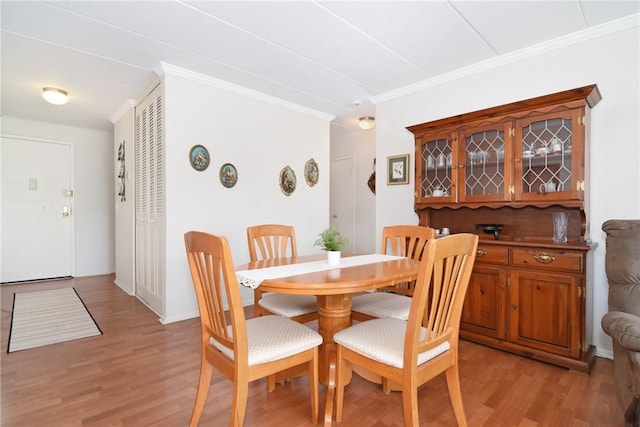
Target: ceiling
[{"x": 329, "y": 56}]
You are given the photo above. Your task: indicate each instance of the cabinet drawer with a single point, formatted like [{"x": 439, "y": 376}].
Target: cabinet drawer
[
  {"x": 548, "y": 259},
  {"x": 492, "y": 255}
]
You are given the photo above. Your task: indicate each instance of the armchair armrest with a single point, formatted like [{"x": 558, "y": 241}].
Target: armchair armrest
[{"x": 623, "y": 328}]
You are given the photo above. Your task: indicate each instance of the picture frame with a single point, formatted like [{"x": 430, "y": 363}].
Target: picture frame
[
  {"x": 311, "y": 172},
  {"x": 228, "y": 175},
  {"x": 398, "y": 169},
  {"x": 199, "y": 157},
  {"x": 288, "y": 180}
]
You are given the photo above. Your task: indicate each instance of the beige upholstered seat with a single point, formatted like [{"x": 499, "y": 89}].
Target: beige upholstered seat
[
  {"x": 243, "y": 350},
  {"x": 271, "y": 241},
  {"x": 401, "y": 240},
  {"x": 412, "y": 352},
  {"x": 380, "y": 304}
]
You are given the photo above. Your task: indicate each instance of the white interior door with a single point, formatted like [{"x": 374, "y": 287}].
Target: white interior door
[
  {"x": 343, "y": 194},
  {"x": 37, "y": 199}
]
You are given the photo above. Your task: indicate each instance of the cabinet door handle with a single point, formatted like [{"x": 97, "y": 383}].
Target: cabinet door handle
[
  {"x": 480, "y": 252},
  {"x": 513, "y": 306},
  {"x": 544, "y": 258}
]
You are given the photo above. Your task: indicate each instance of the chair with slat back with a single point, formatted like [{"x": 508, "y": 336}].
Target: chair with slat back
[
  {"x": 412, "y": 352},
  {"x": 243, "y": 350},
  {"x": 394, "y": 301},
  {"x": 269, "y": 241}
]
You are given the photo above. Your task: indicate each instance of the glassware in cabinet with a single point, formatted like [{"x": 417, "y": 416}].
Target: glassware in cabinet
[
  {"x": 486, "y": 173},
  {"x": 548, "y": 167},
  {"x": 435, "y": 169}
]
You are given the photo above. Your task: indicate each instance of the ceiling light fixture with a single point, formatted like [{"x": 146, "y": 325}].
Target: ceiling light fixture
[
  {"x": 366, "y": 122},
  {"x": 55, "y": 96}
]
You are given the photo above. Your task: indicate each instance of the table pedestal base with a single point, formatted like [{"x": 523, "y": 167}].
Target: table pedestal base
[{"x": 334, "y": 315}]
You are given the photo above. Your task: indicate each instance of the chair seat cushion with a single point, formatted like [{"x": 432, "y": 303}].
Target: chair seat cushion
[
  {"x": 288, "y": 305},
  {"x": 383, "y": 304},
  {"x": 273, "y": 338},
  {"x": 383, "y": 340}
]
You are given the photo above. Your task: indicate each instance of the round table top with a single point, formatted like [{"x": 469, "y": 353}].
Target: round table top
[{"x": 345, "y": 280}]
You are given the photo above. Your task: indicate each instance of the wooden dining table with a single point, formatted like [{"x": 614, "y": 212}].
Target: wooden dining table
[{"x": 334, "y": 289}]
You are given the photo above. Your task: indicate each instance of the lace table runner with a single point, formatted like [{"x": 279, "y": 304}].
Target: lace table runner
[{"x": 253, "y": 278}]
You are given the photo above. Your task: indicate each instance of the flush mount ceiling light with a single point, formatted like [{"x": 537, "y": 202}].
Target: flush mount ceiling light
[
  {"x": 55, "y": 96},
  {"x": 367, "y": 122}
]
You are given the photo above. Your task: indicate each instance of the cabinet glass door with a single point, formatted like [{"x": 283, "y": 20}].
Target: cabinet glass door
[
  {"x": 549, "y": 167},
  {"x": 435, "y": 162},
  {"x": 484, "y": 174}
]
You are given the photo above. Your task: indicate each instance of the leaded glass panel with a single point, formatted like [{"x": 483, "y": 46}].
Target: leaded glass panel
[
  {"x": 436, "y": 168},
  {"x": 485, "y": 163},
  {"x": 546, "y": 156}
]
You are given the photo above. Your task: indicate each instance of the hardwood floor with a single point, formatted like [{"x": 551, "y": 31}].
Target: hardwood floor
[{"x": 143, "y": 373}]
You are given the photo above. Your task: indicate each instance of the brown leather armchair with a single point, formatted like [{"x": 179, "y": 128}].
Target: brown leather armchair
[{"x": 622, "y": 322}]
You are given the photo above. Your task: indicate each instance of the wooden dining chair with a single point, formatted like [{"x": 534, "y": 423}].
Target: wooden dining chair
[
  {"x": 412, "y": 352},
  {"x": 271, "y": 241},
  {"x": 393, "y": 301},
  {"x": 243, "y": 350}
]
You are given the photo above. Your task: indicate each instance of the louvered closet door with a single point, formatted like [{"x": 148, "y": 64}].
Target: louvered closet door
[{"x": 150, "y": 209}]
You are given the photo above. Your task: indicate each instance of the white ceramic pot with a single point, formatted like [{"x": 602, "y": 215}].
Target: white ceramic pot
[{"x": 333, "y": 257}]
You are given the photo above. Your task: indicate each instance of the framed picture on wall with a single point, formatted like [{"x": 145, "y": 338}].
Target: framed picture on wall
[
  {"x": 398, "y": 169},
  {"x": 199, "y": 157}
]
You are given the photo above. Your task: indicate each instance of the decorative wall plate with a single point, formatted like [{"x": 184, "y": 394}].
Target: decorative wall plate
[
  {"x": 372, "y": 182},
  {"x": 228, "y": 175},
  {"x": 199, "y": 158},
  {"x": 372, "y": 179},
  {"x": 311, "y": 172},
  {"x": 121, "y": 151},
  {"x": 122, "y": 174},
  {"x": 287, "y": 180}
]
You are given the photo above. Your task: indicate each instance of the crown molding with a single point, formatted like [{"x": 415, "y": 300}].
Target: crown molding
[
  {"x": 120, "y": 112},
  {"x": 626, "y": 23},
  {"x": 166, "y": 68}
]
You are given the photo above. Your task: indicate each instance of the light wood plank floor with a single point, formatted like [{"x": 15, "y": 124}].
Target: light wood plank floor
[{"x": 142, "y": 373}]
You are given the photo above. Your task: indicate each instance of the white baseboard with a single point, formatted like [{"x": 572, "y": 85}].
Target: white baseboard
[
  {"x": 182, "y": 316},
  {"x": 606, "y": 354},
  {"x": 124, "y": 288}
]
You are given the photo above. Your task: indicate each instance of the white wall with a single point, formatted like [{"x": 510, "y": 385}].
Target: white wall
[
  {"x": 360, "y": 145},
  {"x": 93, "y": 190},
  {"x": 125, "y": 210},
  {"x": 260, "y": 139},
  {"x": 610, "y": 60}
]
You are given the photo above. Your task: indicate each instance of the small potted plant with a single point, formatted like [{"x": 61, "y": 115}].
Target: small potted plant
[{"x": 332, "y": 241}]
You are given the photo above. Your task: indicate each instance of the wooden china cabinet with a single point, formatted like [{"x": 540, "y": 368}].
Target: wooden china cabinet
[{"x": 515, "y": 165}]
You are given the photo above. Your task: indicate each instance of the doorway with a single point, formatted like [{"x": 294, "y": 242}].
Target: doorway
[
  {"x": 37, "y": 209},
  {"x": 343, "y": 195}
]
